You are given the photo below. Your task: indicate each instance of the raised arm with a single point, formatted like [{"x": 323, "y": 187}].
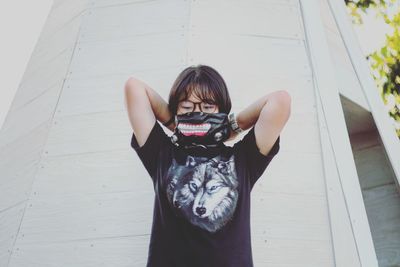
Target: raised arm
[
  {"x": 144, "y": 106},
  {"x": 269, "y": 114}
]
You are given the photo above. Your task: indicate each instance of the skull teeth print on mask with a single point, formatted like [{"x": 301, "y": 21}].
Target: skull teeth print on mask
[
  {"x": 189, "y": 129},
  {"x": 200, "y": 129}
]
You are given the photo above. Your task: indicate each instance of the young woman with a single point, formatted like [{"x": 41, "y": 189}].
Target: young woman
[{"x": 202, "y": 187}]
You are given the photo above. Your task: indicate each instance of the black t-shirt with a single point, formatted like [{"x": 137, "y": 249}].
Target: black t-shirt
[{"x": 201, "y": 215}]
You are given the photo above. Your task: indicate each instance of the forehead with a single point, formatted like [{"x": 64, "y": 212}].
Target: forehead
[
  {"x": 197, "y": 96},
  {"x": 193, "y": 97}
]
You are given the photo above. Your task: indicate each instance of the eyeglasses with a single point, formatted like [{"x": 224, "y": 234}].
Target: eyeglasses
[{"x": 190, "y": 106}]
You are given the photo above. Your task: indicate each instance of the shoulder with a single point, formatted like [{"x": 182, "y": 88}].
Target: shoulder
[
  {"x": 156, "y": 138},
  {"x": 248, "y": 145}
]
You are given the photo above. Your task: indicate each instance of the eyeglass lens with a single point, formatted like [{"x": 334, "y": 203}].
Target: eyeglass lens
[{"x": 190, "y": 106}]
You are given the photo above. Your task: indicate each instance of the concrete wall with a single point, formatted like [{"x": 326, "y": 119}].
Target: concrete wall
[
  {"x": 74, "y": 193},
  {"x": 24, "y": 135}
]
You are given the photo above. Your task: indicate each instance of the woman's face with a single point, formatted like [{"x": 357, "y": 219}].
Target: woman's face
[{"x": 198, "y": 105}]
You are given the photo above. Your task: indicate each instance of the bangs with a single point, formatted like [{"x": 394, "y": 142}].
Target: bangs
[{"x": 201, "y": 91}]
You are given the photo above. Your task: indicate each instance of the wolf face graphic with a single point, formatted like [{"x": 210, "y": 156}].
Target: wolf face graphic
[{"x": 204, "y": 191}]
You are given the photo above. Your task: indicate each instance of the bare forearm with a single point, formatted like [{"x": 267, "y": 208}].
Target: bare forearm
[
  {"x": 249, "y": 116},
  {"x": 158, "y": 104}
]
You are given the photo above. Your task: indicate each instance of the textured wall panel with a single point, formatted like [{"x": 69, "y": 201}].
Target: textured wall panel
[
  {"x": 26, "y": 128},
  {"x": 87, "y": 198}
]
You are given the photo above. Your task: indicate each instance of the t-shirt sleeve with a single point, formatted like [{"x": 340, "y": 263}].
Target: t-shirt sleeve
[
  {"x": 253, "y": 160},
  {"x": 149, "y": 153}
]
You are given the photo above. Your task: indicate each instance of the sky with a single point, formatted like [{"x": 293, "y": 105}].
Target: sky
[{"x": 27, "y": 18}]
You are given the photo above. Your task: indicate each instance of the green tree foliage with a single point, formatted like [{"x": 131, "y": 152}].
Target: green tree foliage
[
  {"x": 384, "y": 62},
  {"x": 355, "y": 7}
]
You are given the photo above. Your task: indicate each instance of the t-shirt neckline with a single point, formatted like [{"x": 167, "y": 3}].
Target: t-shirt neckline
[{"x": 201, "y": 151}]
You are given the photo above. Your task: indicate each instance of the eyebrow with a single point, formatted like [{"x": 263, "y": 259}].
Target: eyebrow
[{"x": 208, "y": 101}]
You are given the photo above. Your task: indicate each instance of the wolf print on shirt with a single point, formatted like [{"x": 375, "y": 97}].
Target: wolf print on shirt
[{"x": 204, "y": 191}]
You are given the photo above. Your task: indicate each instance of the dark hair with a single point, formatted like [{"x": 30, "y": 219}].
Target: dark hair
[{"x": 205, "y": 83}]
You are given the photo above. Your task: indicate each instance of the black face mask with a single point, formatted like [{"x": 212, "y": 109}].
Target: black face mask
[{"x": 199, "y": 129}]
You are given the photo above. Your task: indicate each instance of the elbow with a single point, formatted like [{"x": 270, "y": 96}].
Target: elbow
[
  {"x": 135, "y": 84},
  {"x": 134, "y": 91},
  {"x": 131, "y": 82},
  {"x": 282, "y": 101},
  {"x": 284, "y": 96},
  {"x": 286, "y": 101}
]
